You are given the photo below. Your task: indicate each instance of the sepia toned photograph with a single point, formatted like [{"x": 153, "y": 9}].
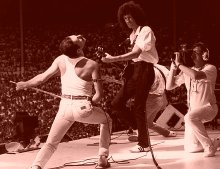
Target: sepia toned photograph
[{"x": 121, "y": 84}]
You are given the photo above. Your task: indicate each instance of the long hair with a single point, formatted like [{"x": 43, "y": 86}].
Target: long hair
[
  {"x": 67, "y": 47},
  {"x": 133, "y": 9}
]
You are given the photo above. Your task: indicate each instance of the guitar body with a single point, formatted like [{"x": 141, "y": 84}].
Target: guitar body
[{"x": 128, "y": 68}]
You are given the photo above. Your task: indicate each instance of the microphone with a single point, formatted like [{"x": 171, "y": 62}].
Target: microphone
[{"x": 126, "y": 41}]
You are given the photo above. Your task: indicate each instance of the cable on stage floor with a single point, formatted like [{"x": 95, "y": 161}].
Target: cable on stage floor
[{"x": 94, "y": 161}]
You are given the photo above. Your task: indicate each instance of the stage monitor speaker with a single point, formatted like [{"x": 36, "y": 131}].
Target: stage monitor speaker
[
  {"x": 3, "y": 148},
  {"x": 173, "y": 116},
  {"x": 25, "y": 127}
]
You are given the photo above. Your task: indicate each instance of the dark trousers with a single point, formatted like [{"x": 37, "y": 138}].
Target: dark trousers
[{"x": 137, "y": 86}]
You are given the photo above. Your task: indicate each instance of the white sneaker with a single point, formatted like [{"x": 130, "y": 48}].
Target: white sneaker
[
  {"x": 209, "y": 151},
  {"x": 172, "y": 134},
  {"x": 139, "y": 149},
  {"x": 216, "y": 143}
]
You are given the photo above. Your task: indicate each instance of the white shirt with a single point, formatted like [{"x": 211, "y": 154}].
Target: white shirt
[
  {"x": 200, "y": 92},
  {"x": 146, "y": 42}
]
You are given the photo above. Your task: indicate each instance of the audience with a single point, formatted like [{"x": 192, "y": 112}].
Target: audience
[{"x": 39, "y": 51}]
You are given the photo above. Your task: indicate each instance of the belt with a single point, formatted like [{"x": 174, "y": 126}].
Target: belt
[{"x": 76, "y": 97}]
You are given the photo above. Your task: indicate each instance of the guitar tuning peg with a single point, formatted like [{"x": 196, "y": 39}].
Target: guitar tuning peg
[{"x": 100, "y": 49}]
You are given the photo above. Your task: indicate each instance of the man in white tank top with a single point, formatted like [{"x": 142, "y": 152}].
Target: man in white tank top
[{"x": 79, "y": 75}]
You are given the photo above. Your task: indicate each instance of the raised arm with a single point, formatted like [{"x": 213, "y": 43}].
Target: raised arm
[
  {"x": 40, "y": 78},
  {"x": 170, "y": 84},
  {"x": 124, "y": 57}
]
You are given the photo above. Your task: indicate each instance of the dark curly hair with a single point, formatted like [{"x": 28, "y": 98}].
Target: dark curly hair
[
  {"x": 201, "y": 45},
  {"x": 133, "y": 9},
  {"x": 67, "y": 47}
]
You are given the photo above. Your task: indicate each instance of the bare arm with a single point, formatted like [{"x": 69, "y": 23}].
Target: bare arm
[
  {"x": 172, "y": 79},
  {"x": 193, "y": 74},
  {"x": 196, "y": 75},
  {"x": 127, "y": 56},
  {"x": 170, "y": 83},
  {"x": 40, "y": 78},
  {"x": 97, "y": 84}
]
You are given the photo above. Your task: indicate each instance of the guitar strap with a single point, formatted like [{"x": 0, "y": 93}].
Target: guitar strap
[
  {"x": 164, "y": 78},
  {"x": 133, "y": 43},
  {"x": 161, "y": 74},
  {"x": 128, "y": 68}
]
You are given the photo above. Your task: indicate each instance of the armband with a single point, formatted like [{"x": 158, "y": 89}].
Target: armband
[{"x": 96, "y": 80}]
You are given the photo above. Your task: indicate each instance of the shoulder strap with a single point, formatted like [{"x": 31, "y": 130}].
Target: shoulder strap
[
  {"x": 132, "y": 45},
  {"x": 162, "y": 75},
  {"x": 164, "y": 81},
  {"x": 164, "y": 78}
]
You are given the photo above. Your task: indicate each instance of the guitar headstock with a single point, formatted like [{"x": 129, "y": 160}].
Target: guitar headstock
[{"x": 100, "y": 53}]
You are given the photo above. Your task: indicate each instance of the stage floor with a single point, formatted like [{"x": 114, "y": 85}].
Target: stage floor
[{"x": 168, "y": 152}]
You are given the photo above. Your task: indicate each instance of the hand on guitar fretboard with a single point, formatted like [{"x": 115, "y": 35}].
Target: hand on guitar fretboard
[
  {"x": 127, "y": 68},
  {"x": 100, "y": 53}
]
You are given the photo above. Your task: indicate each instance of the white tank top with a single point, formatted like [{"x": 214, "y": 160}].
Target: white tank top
[{"x": 71, "y": 84}]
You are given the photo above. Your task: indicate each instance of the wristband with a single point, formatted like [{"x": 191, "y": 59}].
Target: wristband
[{"x": 96, "y": 80}]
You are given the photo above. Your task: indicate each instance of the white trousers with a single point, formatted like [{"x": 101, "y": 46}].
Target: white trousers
[
  {"x": 69, "y": 112},
  {"x": 196, "y": 137},
  {"x": 154, "y": 104}
]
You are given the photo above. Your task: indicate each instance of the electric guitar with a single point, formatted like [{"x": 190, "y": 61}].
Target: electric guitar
[{"x": 127, "y": 66}]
